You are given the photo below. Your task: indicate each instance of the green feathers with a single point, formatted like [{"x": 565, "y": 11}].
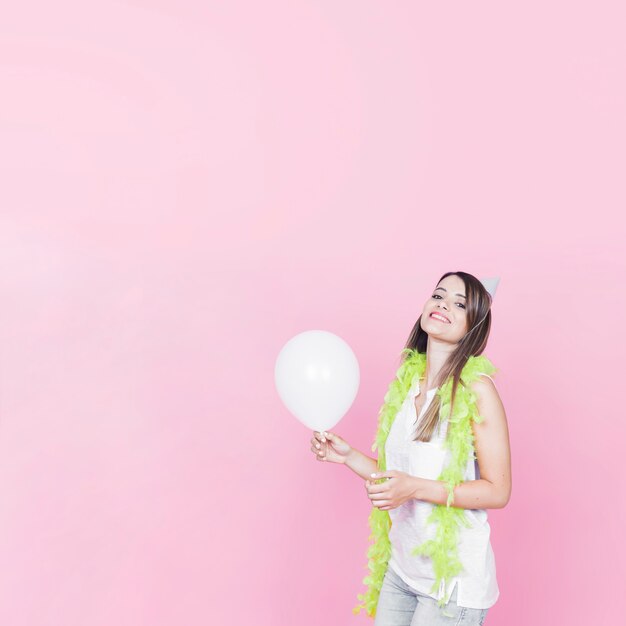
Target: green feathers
[{"x": 442, "y": 549}]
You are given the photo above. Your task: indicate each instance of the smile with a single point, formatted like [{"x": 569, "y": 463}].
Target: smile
[{"x": 441, "y": 318}]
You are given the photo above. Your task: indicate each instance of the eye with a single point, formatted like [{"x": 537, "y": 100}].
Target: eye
[{"x": 436, "y": 295}]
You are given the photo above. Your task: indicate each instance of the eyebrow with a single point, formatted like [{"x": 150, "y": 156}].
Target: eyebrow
[{"x": 456, "y": 294}]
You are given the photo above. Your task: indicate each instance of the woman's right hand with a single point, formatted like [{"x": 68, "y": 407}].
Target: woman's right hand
[{"x": 330, "y": 447}]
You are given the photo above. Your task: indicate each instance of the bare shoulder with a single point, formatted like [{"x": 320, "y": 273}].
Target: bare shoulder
[
  {"x": 487, "y": 395},
  {"x": 490, "y": 406}
]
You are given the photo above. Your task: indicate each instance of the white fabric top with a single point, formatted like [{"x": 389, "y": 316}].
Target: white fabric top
[{"x": 477, "y": 584}]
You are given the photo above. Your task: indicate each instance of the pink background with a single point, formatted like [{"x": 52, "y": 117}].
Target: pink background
[{"x": 188, "y": 184}]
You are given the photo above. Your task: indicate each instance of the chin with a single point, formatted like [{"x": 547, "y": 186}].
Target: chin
[{"x": 438, "y": 325}]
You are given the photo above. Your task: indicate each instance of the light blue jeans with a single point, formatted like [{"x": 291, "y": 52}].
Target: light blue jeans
[{"x": 399, "y": 605}]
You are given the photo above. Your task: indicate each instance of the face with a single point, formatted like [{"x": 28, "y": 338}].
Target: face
[{"x": 448, "y": 301}]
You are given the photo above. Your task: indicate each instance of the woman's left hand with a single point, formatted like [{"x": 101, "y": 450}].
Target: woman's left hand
[{"x": 396, "y": 490}]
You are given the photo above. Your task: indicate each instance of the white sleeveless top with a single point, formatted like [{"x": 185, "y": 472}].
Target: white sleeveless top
[{"x": 477, "y": 584}]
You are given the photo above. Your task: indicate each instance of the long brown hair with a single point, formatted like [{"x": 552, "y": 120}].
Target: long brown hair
[{"x": 478, "y": 307}]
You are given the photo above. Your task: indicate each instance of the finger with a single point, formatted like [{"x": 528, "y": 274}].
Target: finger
[
  {"x": 319, "y": 436},
  {"x": 317, "y": 452},
  {"x": 379, "y": 497},
  {"x": 380, "y": 505},
  {"x": 378, "y": 476},
  {"x": 316, "y": 443},
  {"x": 385, "y": 474},
  {"x": 373, "y": 488}
]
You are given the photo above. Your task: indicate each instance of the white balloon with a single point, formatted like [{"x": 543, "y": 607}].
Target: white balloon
[{"x": 317, "y": 377}]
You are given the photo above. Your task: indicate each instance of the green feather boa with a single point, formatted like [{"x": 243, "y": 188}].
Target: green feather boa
[{"x": 443, "y": 548}]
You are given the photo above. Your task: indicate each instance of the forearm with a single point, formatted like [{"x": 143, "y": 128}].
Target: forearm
[
  {"x": 471, "y": 494},
  {"x": 361, "y": 464}
]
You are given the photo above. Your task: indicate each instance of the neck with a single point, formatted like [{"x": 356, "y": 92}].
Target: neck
[{"x": 437, "y": 353}]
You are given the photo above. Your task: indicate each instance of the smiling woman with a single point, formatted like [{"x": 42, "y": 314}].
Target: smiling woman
[
  {"x": 443, "y": 460},
  {"x": 464, "y": 303}
]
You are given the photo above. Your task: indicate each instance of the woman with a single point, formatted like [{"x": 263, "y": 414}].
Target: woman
[{"x": 444, "y": 458}]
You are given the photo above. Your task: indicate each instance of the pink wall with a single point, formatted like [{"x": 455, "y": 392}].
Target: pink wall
[{"x": 188, "y": 184}]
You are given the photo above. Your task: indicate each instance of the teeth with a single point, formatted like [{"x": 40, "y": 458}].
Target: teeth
[{"x": 439, "y": 317}]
